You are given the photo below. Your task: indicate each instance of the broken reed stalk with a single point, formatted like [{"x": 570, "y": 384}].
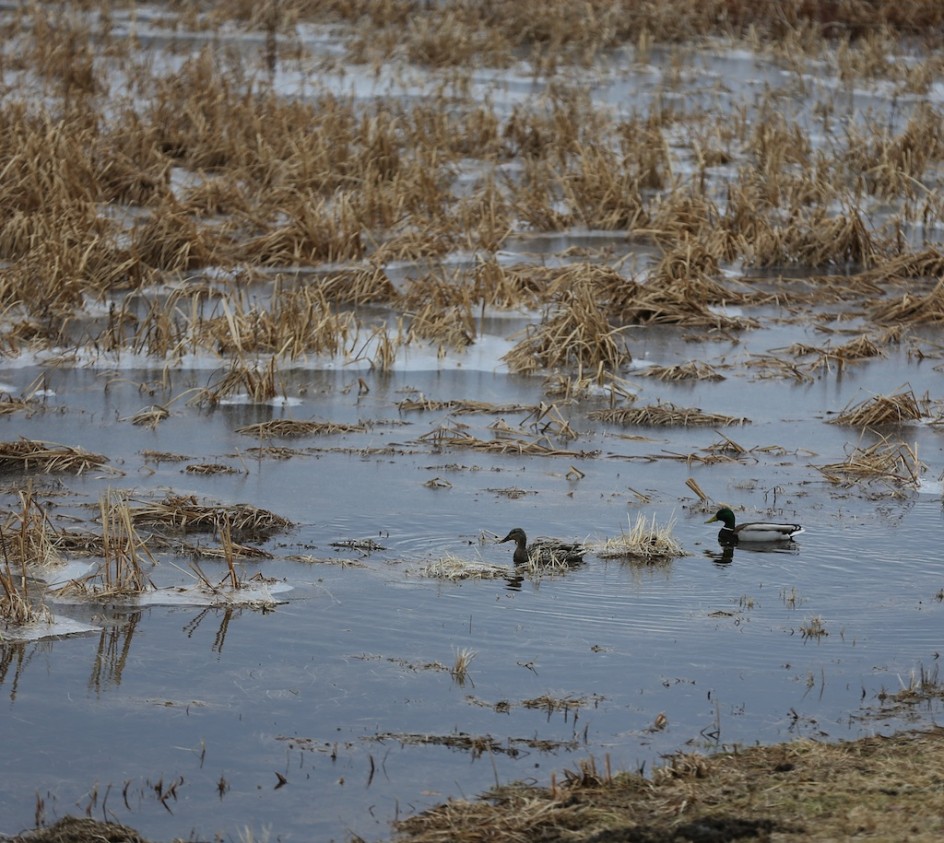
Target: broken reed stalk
[
  {"x": 17, "y": 608},
  {"x": 34, "y": 539},
  {"x": 226, "y": 543},
  {"x": 122, "y": 548},
  {"x": 692, "y": 484}
]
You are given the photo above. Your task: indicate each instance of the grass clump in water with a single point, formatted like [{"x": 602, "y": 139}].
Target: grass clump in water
[
  {"x": 883, "y": 410},
  {"x": 646, "y": 541}
]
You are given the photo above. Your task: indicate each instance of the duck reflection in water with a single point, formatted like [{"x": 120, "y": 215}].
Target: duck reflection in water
[{"x": 725, "y": 555}]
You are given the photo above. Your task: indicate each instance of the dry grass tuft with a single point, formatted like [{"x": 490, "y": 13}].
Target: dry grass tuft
[
  {"x": 206, "y": 469},
  {"x": 28, "y": 537},
  {"x": 124, "y": 554},
  {"x": 911, "y": 309},
  {"x": 455, "y": 568},
  {"x": 817, "y": 239},
  {"x": 27, "y": 454},
  {"x": 150, "y": 417},
  {"x": 884, "y": 410},
  {"x": 813, "y": 628},
  {"x": 861, "y": 348},
  {"x": 646, "y": 542},
  {"x": 257, "y": 382},
  {"x": 26, "y": 540},
  {"x": 460, "y": 666},
  {"x": 185, "y": 514},
  {"x": 892, "y": 463},
  {"x": 577, "y": 335},
  {"x": 550, "y": 704}
]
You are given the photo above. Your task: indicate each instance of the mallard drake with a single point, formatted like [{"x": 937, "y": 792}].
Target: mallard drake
[
  {"x": 754, "y": 531},
  {"x": 543, "y": 551}
]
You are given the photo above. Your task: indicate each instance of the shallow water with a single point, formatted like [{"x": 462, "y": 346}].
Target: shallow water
[
  {"x": 327, "y": 689},
  {"x": 180, "y": 720}
]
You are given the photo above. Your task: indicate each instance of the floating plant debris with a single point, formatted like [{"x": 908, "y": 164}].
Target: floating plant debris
[
  {"x": 883, "y": 410},
  {"x": 364, "y": 545},
  {"x": 512, "y": 443},
  {"x": 209, "y": 468},
  {"x": 452, "y": 567},
  {"x": 296, "y": 427},
  {"x": 27, "y": 454},
  {"x": 889, "y": 462},
  {"x": 458, "y": 407},
  {"x": 184, "y": 512},
  {"x": 150, "y": 417},
  {"x": 665, "y": 415},
  {"x": 693, "y": 370}
]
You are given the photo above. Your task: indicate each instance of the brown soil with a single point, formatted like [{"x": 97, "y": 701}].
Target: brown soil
[{"x": 876, "y": 788}]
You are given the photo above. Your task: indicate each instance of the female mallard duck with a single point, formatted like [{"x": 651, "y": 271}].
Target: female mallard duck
[
  {"x": 755, "y": 531},
  {"x": 543, "y": 551}
]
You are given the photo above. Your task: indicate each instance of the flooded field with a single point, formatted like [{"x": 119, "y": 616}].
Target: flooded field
[{"x": 301, "y": 318}]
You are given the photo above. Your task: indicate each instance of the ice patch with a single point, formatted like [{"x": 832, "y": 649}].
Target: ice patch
[
  {"x": 61, "y": 574},
  {"x": 252, "y": 594},
  {"x": 56, "y": 627},
  {"x": 931, "y": 487}
]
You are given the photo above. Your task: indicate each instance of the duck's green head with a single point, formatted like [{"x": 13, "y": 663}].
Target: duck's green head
[{"x": 725, "y": 516}]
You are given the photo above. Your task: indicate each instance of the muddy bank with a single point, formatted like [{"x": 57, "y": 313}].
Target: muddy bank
[{"x": 884, "y": 788}]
